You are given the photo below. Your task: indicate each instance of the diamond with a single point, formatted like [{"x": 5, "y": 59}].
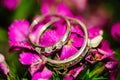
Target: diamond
[
  {"x": 38, "y": 49},
  {"x": 59, "y": 45},
  {"x": 48, "y": 49}
]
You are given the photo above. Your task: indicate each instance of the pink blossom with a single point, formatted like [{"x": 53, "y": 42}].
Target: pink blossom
[
  {"x": 115, "y": 31},
  {"x": 45, "y": 74},
  {"x": 2, "y": 59},
  {"x": 76, "y": 41},
  {"x": 28, "y": 58},
  {"x": 74, "y": 72},
  {"x": 111, "y": 65},
  {"x": 94, "y": 32},
  {"x": 67, "y": 49},
  {"x": 68, "y": 77},
  {"x": 112, "y": 68},
  {"x": 99, "y": 18},
  {"x": 37, "y": 67},
  {"x": 55, "y": 8},
  {"x": 102, "y": 52},
  {"x": 3, "y": 66},
  {"x": 18, "y": 34},
  {"x": 55, "y": 34},
  {"x": 10, "y": 4},
  {"x": 80, "y": 5}
]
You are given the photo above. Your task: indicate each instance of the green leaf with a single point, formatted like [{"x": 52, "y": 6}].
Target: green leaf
[
  {"x": 100, "y": 78},
  {"x": 56, "y": 76},
  {"x": 24, "y": 79}
]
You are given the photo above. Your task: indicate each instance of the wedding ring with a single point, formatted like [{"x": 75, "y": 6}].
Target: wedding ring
[
  {"x": 77, "y": 57},
  {"x": 58, "y": 45}
]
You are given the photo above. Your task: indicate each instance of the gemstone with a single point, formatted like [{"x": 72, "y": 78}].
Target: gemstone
[
  {"x": 38, "y": 49},
  {"x": 48, "y": 49},
  {"x": 59, "y": 45}
]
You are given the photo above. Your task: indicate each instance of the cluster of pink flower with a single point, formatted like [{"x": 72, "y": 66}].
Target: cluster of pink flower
[{"x": 19, "y": 30}]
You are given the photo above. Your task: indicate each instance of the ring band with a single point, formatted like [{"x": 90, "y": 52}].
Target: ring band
[
  {"x": 56, "y": 46},
  {"x": 61, "y": 64}
]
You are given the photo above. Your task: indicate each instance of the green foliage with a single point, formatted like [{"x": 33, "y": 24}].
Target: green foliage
[{"x": 95, "y": 72}]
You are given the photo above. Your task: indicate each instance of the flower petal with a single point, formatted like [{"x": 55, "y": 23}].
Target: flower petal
[
  {"x": 45, "y": 74},
  {"x": 63, "y": 9},
  {"x": 18, "y": 33},
  {"x": 53, "y": 35},
  {"x": 10, "y": 4},
  {"x": 98, "y": 18},
  {"x": 4, "y": 68},
  {"x": 67, "y": 51},
  {"x": 79, "y": 5},
  {"x": 95, "y": 55},
  {"x": 111, "y": 65},
  {"x": 76, "y": 29},
  {"x": 113, "y": 74},
  {"x": 90, "y": 59},
  {"x": 115, "y": 31},
  {"x": 36, "y": 66},
  {"x": 77, "y": 41},
  {"x": 49, "y": 38},
  {"x": 68, "y": 77},
  {"x": 2, "y": 58},
  {"x": 52, "y": 7},
  {"x": 105, "y": 46},
  {"x": 76, "y": 71},
  {"x": 93, "y": 32},
  {"x": 28, "y": 58}
]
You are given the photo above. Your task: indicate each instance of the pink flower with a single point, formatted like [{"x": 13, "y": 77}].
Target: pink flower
[
  {"x": 112, "y": 68},
  {"x": 18, "y": 37},
  {"x": 55, "y": 34},
  {"x": 55, "y": 8},
  {"x": 28, "y": 58},
  {"x": 18, "y": 34},
  {"x": 79, "y": 5},
  {"x": 19, "y": 29},
  {"x": 94, "y": 32},
  {"x": 105, "y": 46},
  {"x": 45, "y": 74},
  {"x": 102, "y": 52},
  {"x": 37, "y": 67},
  {"x": 115, "y": 31},
  {"x": 68, "y": 49},
  {"x": 3, "y": 67},
  {"x": 95, "y": 17},
  {"x": 76, "y": 41},
  {"x": 111, "y": 65},
  {"x": 2, "y": 59},
  {"x": 74, "y": 72},
  {"x": 68, "y": 77},
  {"x": 10, "y": 4}
]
